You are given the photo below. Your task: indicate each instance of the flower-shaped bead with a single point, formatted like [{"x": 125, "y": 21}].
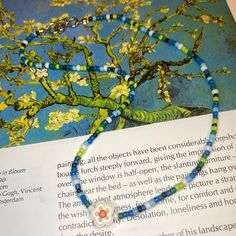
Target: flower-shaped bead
[{"x": 102, "y": 213}]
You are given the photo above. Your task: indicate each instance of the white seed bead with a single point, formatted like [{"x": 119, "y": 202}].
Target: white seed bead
[
  {"x": 109, "y": 120},
  {"x": 105, "y": 68},
  {"x": 123, "y": 18},
  {"x": 151, "y": 32},
  {"x": 118, "y": 112},
  {"x": 108, "y": 17},
  {"x": 208, "y": 148},
  {"x": 215, "y": 91},
  {"x": 84, "y": 146},
  {"x": 25, "y": 42},
  {"x": 180, "y": 45},
  {"x": 78, "y": 67},
  {"x": 185, "y": 182},
  {"x": 209, "y": 78},
  {"x": 147, "y": 205},
  {"x": 127, "y": 77},
  {"x": 76, "y": 181},
  {"x": 203, "y": 67},
  {"x": 46, "y": 65},
  {"x": 85, "y": 21}
]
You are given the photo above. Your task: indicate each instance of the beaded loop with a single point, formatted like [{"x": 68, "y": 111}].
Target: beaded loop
[{"x": 100, "y": 215}]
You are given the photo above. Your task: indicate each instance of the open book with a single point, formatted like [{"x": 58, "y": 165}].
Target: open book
[{"x": 127, "y": 166}]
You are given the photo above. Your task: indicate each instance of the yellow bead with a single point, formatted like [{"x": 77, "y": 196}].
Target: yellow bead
[
  {"x": 100, "y": 128},
  {"x": 83, "y": 68},
  {"x": 180, "y": 186},
  {"x": 184, "y": 49},
  {"x": 160, "y": 37},
  {"x": 215, "y": 99},
  {"x": 202, "y": 160}
]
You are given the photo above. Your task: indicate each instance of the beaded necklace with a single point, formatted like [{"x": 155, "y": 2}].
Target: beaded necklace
[{"x": 103, "y": 213}]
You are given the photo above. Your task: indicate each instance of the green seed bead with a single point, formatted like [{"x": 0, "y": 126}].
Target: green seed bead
[
  {"x": 100, "y": 128},
  {"x": 120, "y": 216},
  {"x": 203, "y": 160},
  {"x": 180, "y": 186}
]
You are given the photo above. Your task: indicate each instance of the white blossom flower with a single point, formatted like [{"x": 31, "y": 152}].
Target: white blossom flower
[
  {"x": 41, "y": 73},
  {"x": 74, "y": 77},
  {"x": 102, "y": 213},
  {"x": 119, "y": 90},
  {"x": 37, "y": 73}
]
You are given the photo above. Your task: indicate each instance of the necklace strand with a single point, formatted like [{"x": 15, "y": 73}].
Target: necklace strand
[{"x": 103, "y": 213}]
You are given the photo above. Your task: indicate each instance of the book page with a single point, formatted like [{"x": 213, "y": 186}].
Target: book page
[{"x": 127, "y": 167}]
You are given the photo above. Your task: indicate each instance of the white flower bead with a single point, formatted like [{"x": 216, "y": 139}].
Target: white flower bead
[{"x": 102, "y": 213}]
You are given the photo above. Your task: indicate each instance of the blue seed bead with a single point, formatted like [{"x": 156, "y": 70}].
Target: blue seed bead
[
  {"x": 170, "y": 41},
  {"x": 74, "y": 177},
  {"x": 215, "y": 104},
  {"x": 135, "y": 211},
  {"x": 215, "y": 114},
  {"x": 195, "y": 171},
  {"x": 152, "y": 202},
  {"x": 115, "y": 113},
  {"x": 130, "y": 213},
  {"x": 86, "y": 143},
  {"x": 125, "y": 213},
  {"x": 78, "y": 186},
  {"x": 80, "y": 194},
  {"x": 76, "y": 161},
  {"x": 206, "y": 153},
  {"x": 212, "y": 138},
  {"x": 73, "y": 173},
  {"x": 198, "y": 60},
  {"x": 147, "y": 31},
  {"x": 78, "y": 190},
  {"x": 118, "y": 112},
  {"x": 140, "y": 208},
  {"x": 127, "y": 20},
  {"x": 207, "y": 73},
  {"x": 189, "y": 178},
  {"x": 192, "y": 175},
  {"x": 209, "y": 143},
  {"x": 112, "y": 116},
  {"x": 168, "y": 192},
  {"x": 97, "y": 68},
  {"x": 158, "y": 198},
  {"x": 155, "y": 35},
  {"x": 103, "y": 17},
  {"x": 164, "y": 194},
  {"x": 91, "y": 139},
  {"x": 104, "y": 122}
]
